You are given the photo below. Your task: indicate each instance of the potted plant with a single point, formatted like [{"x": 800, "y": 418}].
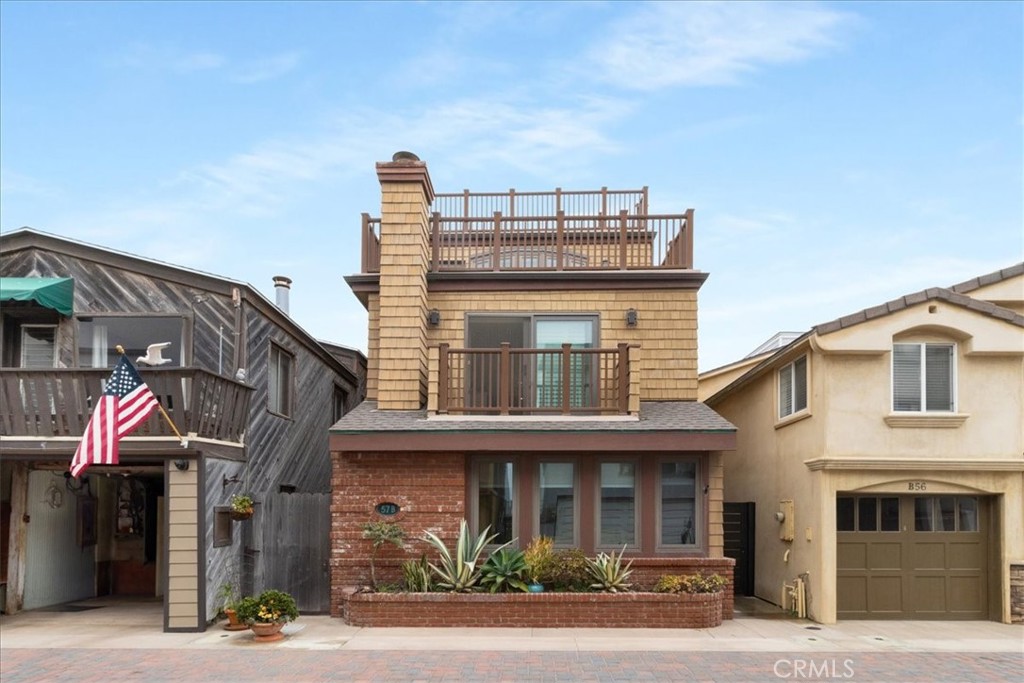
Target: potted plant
[
  {"x": 540, "y": 558},
  {"x": 267, "y": 613},
  {"x": 228, "y": 596},
  {"x": 241, "y": 506}
]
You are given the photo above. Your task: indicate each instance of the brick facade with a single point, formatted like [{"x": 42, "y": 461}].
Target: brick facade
[
  {"x": 430, "y": 488},
  {"x": 542, "y": 610}
]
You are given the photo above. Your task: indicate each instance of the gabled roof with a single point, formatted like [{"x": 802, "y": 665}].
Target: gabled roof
[
  {"x": 990, "y": 279},
  {"x": 28, "y": 238},
  {"x": 931, "y": 294},
  {"x": 888, "y": 308}
]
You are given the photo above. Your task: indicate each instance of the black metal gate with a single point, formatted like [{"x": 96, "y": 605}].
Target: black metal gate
[{"x": 738, "y": 519}]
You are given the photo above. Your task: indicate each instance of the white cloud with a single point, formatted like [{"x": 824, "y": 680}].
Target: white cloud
[
  {"x": 12, "y": 182},
  {"x": 669, "y": 44},
  {"x": 267, "y": 68}
]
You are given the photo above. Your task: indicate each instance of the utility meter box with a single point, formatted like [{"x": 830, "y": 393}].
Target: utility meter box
[{"x": 785, "y": 516}]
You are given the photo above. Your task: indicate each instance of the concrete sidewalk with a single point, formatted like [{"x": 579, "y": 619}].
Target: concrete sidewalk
[{"x": 137, "y": 626}]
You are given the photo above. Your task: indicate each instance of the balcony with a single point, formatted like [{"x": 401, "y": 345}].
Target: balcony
[
  {"x": 547, "y": 231},
  {"x": 57, "y": 402},
  {"x": 555, "y": 382}
]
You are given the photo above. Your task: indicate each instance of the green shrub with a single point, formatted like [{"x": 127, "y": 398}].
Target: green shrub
[
  {"x": 416, "y": 575},
  {"x": 690, "y": 583},
  {"x": 540, "y": 558},
  {"x": 504, "y": 570},
  {"x": 380, "y": 533},
  {"x": 269, "y": 607},
  {"x": 568, "y": 571}
]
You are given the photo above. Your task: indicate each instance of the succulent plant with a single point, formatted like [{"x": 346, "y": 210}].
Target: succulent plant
[{"x": 608, "y": 573}]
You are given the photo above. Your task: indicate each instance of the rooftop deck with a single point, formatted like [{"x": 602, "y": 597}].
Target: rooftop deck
[{"x": 547, "y": 231}]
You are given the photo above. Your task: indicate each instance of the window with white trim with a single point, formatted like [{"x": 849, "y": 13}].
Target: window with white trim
[
  {"x": 923, "y": 377},
  {"x": 793, "y": 387}
]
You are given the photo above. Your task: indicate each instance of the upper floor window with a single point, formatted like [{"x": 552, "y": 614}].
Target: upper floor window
[
  {"x": 279, "y": 381},
  {"x": 99, "y": 335},
  {"x": 923, "y": 377},
  {"x": 793, "y": 387},
  {"x": 38, "y": 346}
]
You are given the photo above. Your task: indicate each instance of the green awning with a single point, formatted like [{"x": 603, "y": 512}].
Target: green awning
[{"x": 57, "y": 293}]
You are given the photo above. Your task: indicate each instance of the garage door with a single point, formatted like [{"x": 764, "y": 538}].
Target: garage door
[{"x": 911, "y": 557}]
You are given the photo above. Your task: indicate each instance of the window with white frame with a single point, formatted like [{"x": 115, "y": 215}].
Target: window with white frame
[
  {"x": 279, "y": 382},
  {"x": 923, "y": 377},
  {"x": 793, "y": 387}
]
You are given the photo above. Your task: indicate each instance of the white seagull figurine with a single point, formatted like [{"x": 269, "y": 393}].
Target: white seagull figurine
[{"x": 153, "y": 354}]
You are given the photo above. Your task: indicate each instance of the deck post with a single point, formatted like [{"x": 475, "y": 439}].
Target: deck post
[
  {"x": 442, "y": 378},
  {"x": 566, "y": 376},
  {"x": 623, "y": 232},
  {"x": 504, "y": 378},
  {"x": 623, "y": 387},
  {"x": 435, "y": 239},
  {"x": 496, "y": 247}
]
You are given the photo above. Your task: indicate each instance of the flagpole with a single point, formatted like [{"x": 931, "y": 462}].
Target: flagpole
[{"x": 184, "y": 441}]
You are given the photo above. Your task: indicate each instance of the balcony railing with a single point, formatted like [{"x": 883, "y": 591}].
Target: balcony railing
[
  {"x": 58, "y": 402},
  {"x": 510, "y": 381},
  {"x": 531, "y": 231}
]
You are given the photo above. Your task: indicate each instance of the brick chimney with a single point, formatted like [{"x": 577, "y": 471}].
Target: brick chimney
[{"x": 406, "y": 195}]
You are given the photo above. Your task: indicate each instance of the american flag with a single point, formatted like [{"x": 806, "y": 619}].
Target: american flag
[{"x": 126, "y": 402}]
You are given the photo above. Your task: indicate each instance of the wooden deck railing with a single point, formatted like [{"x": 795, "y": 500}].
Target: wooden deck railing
[
  {"x": 59, "y": 402},
  {"x": 560, "y": 230},
  {"x": 562, "y": 242},
  {"x": 507, "y": 381},
  {"x": 603, "y": 202}
]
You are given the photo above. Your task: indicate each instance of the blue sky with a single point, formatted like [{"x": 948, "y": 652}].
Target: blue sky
[{"x": 837, "y": 155}]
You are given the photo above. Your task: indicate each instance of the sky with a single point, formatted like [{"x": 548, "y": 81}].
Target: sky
[{"x": 837, "y": 155}]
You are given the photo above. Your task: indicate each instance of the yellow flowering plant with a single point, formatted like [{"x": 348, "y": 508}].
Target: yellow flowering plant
[{"x": 269, "y": 607}]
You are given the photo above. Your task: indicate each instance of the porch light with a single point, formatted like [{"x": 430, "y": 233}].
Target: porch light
[
  {"x": 434, "y": 317},
  {"x": 631, "y": 317}
]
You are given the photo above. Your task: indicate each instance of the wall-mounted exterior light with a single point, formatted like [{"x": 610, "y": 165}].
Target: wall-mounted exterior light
[{"x": 631, "y": 317}]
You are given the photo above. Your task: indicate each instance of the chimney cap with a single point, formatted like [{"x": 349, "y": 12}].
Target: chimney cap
[
  {"x": 404, "y": 156},
  {"x": 282, "y": 281}
]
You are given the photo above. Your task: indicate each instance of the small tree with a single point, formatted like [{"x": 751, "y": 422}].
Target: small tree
[{"x": 380, "y": 533}]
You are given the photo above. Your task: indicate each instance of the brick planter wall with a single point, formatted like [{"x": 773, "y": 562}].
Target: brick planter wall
[{"x": 541, "y": 610}]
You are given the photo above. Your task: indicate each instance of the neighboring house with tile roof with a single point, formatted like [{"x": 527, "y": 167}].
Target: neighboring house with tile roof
[
  {"x": 882, "y": 457},
  {"x": 532, "y": 368},
  {"x": 252, "y": 391}
]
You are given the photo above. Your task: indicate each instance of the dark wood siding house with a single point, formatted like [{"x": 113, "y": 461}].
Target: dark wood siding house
[{"x": 251, "y": 391}]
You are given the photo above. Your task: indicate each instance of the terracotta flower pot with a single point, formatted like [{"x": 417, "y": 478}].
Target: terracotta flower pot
[
  {"x": 234, "y": 624},
  {"x": 265, "y": 633}
]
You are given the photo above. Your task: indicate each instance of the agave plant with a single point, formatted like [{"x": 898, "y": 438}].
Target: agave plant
[
  {"x": 608, "y": 573},
  {"x": 504, "y": 570},
  {"x": 460, "y": 572}
]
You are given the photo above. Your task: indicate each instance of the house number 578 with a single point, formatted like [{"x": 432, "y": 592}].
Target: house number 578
[{"x": 917, "y": 486}]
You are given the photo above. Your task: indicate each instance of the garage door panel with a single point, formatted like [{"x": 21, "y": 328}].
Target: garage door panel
[
  {"x": 967, "y": 555},
  {"x": 852, "y": 594},
  {"x": 885, "y": 594},
  {"x": 929, "y": 593},
  {"x": 885, "y": 555},
  {"x": 928, "y": 556},
  {"x": 852, "y": 555},
  {"x": 966, "y": 594}
]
